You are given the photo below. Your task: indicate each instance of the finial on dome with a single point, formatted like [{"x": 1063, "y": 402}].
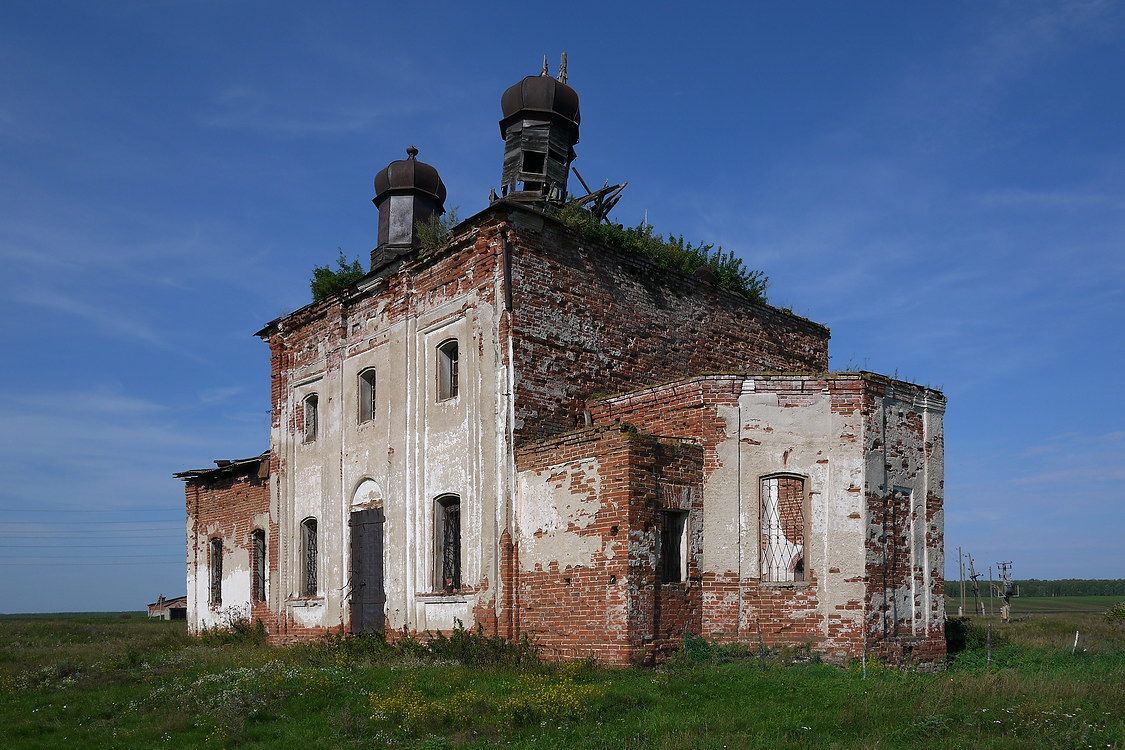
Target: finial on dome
[
  {"x": 411, "y": 151},
  {"x": 562, "y": 68},
  {"x": 544, "y": 72}
]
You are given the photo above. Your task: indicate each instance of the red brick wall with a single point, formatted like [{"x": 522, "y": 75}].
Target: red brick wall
[
  {"x": 615, "y": 610},
  {"x": 734, "y": 610},
  {"x": 588, "y": 319},
  {"x": 225, "y": 505}
]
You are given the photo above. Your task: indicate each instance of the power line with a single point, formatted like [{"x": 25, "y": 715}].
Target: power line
[
  {"x": 84, "y": 557},
  {"x": 101, "y": 534},
  {"x": 31, "y": 509},
  {"x": 91, "y": 564},
  {"x": 84, "y": 523},
  {"x": 124, "y": 542}
]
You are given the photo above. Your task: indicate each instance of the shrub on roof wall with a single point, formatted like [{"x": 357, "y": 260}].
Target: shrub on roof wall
[
  {"x": 325, "y": 282},
  {"x": 670, "y": 252}
]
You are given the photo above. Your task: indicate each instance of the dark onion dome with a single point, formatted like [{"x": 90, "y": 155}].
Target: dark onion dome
[
  {"x": 409, "y": 176},
  {"x": 541, "y": 93}
]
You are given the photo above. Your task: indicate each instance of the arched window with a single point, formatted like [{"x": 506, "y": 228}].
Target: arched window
[
  {"x": 215, "y": 553},
  {"x": 258, "y": 540},
  {"x": 367, "y": 395},
  {"x": 308, "y": 557},
  {"x": 447, "y": 370},
  {"x": 310, "y": 406},
  {"x": 783, "y": 528},
  {"x": 447, "y": 542}
]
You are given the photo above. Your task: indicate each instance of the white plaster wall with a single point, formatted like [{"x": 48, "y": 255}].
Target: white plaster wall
[
  {"x": 902, "y": 463},
  {"x": 235, "y": 586},
  {"x": 811, "y": 440},
  {"x": 553, "y": 504},
  {"x": 414, "y": 450}
]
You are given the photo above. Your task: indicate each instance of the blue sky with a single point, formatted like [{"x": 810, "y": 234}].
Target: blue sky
[{"x": 942, "y": 184}]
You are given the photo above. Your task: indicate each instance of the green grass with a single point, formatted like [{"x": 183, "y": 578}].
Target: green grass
[
  {"x": 1025, "y": 605},
  {"x": 105, "y": 680}
]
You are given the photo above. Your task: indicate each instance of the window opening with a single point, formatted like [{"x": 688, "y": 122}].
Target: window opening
[
  {"x": 783, "y": 529},
  {"x": 216, "y": 571},
  {"x": 310, "y": 409},
  {"x": 534, "y": 162},
  {"x": 259, "y": 543},
  {"x": 308, "y": 555},
  {"x": 447, "y": 528},
  {"x": 673, "y": 546},
  {"x": 367, "y": 395},
  {"x": 447, "y": 370}
]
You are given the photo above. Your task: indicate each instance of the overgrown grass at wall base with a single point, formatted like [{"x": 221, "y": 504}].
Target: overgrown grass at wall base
[{"x": 128, "y": 682}]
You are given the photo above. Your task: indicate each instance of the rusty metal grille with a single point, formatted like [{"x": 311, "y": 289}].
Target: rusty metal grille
[
  {"x": 450, "y": 557},
  {"x": 308, "y": 578},
  {"x": 259, "y": 592},
  {"x": 216, "y": 554},
  {"x": 783, "y": 529}
]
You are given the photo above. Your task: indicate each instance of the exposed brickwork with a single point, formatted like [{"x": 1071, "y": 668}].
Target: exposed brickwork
[
  {"x": 589, "y": 319},
  {"x": 616, "y": 609},
  {"x": 227, "y": 506},
  {"x": 574, "y": 320},
  {"x": 787, "y": 614}
]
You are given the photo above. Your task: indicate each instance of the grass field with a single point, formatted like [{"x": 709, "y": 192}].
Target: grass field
[
  {"x": 123, "y": 681},
  {"x": 1038, "y": 605}
]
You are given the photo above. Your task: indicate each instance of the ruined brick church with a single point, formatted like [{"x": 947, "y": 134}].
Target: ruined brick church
[{"x": 523, "y": 430}]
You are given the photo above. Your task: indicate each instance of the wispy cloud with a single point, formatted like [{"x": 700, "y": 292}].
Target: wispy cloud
[
  {"x": 220, "y": 395},
  {"x": 246, "y": 108},
  {"x": 103, "y": 316}
]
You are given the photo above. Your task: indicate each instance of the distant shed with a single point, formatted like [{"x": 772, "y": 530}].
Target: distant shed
[{"x": 169, "y": 609}]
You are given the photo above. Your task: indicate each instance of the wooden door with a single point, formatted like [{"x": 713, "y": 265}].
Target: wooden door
[{"x": 368, "y": 599}]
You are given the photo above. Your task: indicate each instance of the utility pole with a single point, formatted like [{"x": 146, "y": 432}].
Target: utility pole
[
  {"x": 961, "y": 568},
  {"x": 1005, "y": 569},
  {"x": 991, "y": 593},
  {"x": 978, "y": 604}
]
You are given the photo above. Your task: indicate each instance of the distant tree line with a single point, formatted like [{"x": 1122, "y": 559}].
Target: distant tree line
[{"x": 1060, "y": 587}]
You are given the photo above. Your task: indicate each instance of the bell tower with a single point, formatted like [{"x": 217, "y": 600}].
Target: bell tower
[{"x": 540, "y": 127}]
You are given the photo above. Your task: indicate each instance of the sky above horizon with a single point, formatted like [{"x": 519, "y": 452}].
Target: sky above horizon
[{"x": 941, "y": 184}]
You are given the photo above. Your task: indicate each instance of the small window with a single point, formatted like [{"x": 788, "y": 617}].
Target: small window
[
  {"x": 783, "y": 528},
  {"x": 533, "y": 162},
  {"x": 308, "y": 557},
  {"x": 673, "y": 546},
  {"x": 447, "y": 370},
  {"x": 310, "y": 409},
  {"x": 447, "y": 530},
  {"x": 216, "y": 562},
  {"x": 367, "y": 395},
  {"x": 259, "y": 587}
]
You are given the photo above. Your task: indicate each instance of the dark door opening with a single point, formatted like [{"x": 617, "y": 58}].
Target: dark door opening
[{"x": 369, "y": 599}]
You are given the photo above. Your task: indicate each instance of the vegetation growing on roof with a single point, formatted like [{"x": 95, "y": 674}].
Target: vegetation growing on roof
[
  {"x": 434, "y": 232},
  {"x": 325, "y": 281},
  {"x": 670, "y": 252}
]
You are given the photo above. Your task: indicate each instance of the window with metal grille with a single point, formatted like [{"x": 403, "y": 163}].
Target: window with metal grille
[
  {"x": 310, "y": 407},
  {"x": 447, "y": 531},
  {"x": 673, "y": 546},
  {"x": 447, "y": 370},
  {"x": 216, "y": 563},
  {"x": 258, "y": 538},
  {"x": 783, "y": 528},
  {"x": 308, "y": 557},
  {"x": 367, "y": 395}
]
